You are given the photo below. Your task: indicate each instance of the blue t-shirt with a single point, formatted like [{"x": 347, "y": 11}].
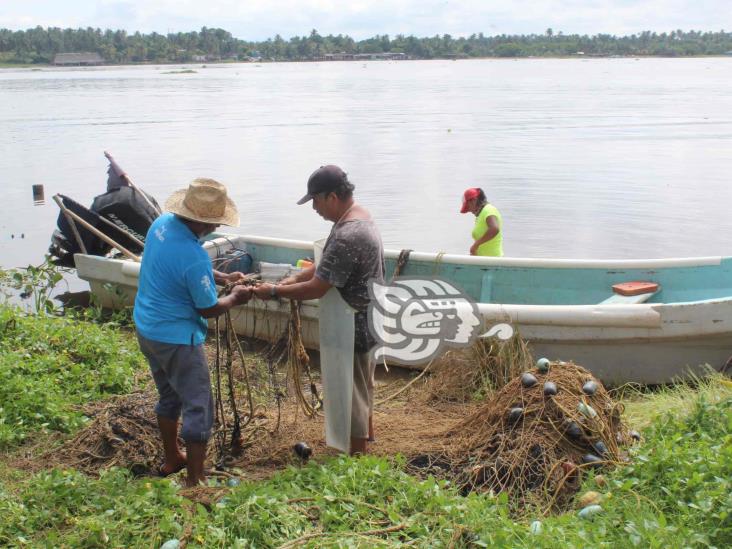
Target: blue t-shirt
[{"x": 176, "y": 279}]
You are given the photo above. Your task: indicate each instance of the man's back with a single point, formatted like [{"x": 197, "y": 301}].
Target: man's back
[
  {"x": 352, "y": 256},
  {"x": 176, "y": 279}
]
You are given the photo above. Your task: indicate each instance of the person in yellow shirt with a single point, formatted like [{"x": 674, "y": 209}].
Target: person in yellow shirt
[{"x": 487, "y": 232}]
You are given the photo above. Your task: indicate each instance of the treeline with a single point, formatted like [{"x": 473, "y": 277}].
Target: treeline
[{"x": 40, "y": 45}]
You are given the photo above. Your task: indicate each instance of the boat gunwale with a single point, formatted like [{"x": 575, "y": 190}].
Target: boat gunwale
[
  {"x": 439, "y": 257},
  {"x": 131, "y": 269}
]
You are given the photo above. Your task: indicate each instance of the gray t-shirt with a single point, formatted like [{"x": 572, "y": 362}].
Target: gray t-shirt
[{"x": 354, "y": 254}]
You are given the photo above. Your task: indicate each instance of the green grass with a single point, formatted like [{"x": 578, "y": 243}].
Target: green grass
[
  {"x": 676, "y": 493},
  {"x": 50, "y": 366},
  {"x": 643, "y": 407}
]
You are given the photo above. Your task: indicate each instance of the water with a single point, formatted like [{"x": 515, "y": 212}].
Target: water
[{"x": 585, "y": 158}]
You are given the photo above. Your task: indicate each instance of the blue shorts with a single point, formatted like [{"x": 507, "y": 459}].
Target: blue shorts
[{"x": 182, "y": 378}]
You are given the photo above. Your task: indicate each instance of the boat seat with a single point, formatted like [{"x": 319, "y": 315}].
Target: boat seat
[
  {"x": 617, "y": 299},
  {"x": 628, "y": 293}
]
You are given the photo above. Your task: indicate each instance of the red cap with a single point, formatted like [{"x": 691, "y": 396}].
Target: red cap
[{"x": 470, "y": 194}]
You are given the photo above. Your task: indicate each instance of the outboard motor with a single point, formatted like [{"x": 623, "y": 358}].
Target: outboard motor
[{"x": 130, "y": 209}]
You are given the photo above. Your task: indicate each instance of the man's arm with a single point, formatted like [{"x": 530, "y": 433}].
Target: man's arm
[
  {"x": 222, "y": 279},
  {"x": 313, "y": 288},
  {"x": 303, "y": 276},
  {"x": 238, "y": 296}
]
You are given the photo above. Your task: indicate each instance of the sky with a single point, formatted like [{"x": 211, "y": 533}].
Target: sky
[{"x": 261, "y": 19}]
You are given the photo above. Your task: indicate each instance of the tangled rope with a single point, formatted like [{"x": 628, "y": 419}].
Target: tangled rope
[
  {"x": 290, "y": 348},
  {"x": 231, "y": 444},
  {"x": 299, "y": 362},
  {"x": 534, "y": 446},
  {"x": 401, "y": 263}
]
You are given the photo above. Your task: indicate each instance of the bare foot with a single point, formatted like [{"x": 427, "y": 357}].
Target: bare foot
[{"x": 170, "y": 468}]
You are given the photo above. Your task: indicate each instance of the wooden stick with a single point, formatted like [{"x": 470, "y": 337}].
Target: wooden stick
[
  {"x": 71, "y": 221},
  {"x": 96, "y": 231}
]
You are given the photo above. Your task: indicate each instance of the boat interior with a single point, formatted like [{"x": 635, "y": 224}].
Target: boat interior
[{"x": 514, "y": 280}]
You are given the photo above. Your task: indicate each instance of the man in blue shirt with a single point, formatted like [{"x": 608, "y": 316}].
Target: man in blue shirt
[{"x": 176, "y": 293}]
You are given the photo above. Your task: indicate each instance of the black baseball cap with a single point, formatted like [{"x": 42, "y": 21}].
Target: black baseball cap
[{"x": 325, "y": 179}]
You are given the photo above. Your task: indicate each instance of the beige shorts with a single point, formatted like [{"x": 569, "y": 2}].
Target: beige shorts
[{"x": 362, "y": 403}]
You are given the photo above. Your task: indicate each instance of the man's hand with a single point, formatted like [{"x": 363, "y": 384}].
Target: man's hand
[
  {"x": 263, "y": 291},
  {"x": 224, "y": 279},
  {"x": 232, "y": 278},
  {"x": 238, "y": 296},
  {"x": 288, "y": 280},
  {"x": 241, "y": 294},
  {"x": 474, "y": 249}
]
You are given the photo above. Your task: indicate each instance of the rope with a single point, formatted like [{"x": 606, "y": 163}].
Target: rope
[
  {"x": 438, "y": 262},
  {"x": 229, "y": 436},
  {"x": 236, "y": 442},
  {"x": 412, "y": 382},
  {"x": 299, "y": 361},
  {"x": 401, "y": 262}
]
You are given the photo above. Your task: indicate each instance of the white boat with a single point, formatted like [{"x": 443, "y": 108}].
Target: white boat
[{"x": 566, "y": 309}]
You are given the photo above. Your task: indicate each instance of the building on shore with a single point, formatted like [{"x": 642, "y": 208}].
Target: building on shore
[{"x": 78, "y": 59}]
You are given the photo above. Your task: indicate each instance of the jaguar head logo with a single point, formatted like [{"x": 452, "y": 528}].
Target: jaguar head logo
[{"x": 414, "y": 319}]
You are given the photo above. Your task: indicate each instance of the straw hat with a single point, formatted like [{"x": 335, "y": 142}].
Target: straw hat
[{"x": 205, "y": 201}]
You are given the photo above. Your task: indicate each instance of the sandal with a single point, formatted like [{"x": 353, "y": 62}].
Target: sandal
[{"x": 163, "y": 474}]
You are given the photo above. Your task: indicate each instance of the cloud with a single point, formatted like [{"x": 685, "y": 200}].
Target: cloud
[{"x": 261, "y": 19}]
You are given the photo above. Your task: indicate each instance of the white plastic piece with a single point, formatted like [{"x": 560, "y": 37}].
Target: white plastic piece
[{"x": 337, "y": 325}]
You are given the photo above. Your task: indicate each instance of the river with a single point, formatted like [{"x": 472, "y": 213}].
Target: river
[{"x": 585, "y": 158}]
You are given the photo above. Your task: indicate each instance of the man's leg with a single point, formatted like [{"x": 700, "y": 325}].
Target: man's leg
[
  {"x": 192, "y": 382},
  {"x": 159, "y": 356},
  {"x": 360, "y": 404},
  {"x": 196, "y": 458},
  {"x": 370, "y": 387},
  {"x": 359, "y": 446},
  {"x": 175, "y": 459}
]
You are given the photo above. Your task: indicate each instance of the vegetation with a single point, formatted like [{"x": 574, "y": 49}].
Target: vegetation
[
  {"x": 49, "y": 366},
  {"x": 39, "y": 45},
  {"x": 35, "y": 283},
  {"x": 676, "y": 494}
]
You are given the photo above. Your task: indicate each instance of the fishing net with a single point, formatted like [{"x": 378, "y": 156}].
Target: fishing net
[
  {"x": 122, "y": 431},
  {"x": 531, "y": 445},
  {"x": 461, "y": 375}
]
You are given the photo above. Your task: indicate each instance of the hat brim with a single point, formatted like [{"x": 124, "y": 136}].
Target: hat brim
[
  {"x": 176, "y": 205},
  {"x": 308, "y": 197},
  {"x": 464, "y": 208}
]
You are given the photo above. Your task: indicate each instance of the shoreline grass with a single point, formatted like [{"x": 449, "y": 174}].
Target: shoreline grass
[{"x": 675, "y": 491}]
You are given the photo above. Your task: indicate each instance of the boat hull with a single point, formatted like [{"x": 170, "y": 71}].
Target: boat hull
[{"x": 648, "y": 343}]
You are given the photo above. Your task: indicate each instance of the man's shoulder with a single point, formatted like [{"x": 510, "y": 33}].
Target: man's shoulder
[
  {"x": 174, "y": 246},
  {"x": 357, "y": 228}
]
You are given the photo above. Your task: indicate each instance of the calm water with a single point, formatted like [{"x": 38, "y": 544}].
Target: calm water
[{"x": 586, "y": 158}]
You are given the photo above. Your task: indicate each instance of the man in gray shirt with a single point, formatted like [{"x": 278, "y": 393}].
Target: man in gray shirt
[{"x": 353, "y": 254}]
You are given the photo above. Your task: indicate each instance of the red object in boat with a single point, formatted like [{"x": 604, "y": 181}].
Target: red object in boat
[{"x": 635, "y": 287}]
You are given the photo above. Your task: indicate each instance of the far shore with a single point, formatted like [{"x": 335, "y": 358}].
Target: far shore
[{"x": 244, "y": 61}]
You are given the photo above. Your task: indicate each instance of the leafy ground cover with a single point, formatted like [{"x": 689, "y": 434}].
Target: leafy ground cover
[
  {"x": 675, "y": 494},
  {"x": 49, "y": 366}
]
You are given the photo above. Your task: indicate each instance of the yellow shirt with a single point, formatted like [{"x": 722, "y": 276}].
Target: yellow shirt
[{"x": 494, "y": 247}]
